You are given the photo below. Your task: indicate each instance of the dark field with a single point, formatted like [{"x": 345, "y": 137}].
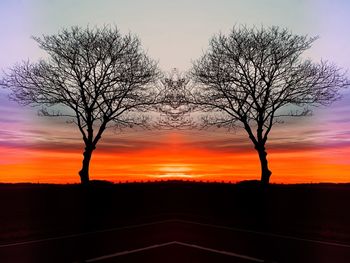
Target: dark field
[{"x": 34, "y": 211}]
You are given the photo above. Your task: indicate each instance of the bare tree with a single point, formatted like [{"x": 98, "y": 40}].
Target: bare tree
[
  {"x": 255, "y": 77},
  {"x": 174, "y": 109},
  {"x": 95, "y": 77}
]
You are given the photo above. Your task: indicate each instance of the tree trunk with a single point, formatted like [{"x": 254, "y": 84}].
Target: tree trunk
[
  {"x": 265, "y": 172},
  {"x": 84, "y": 172}
]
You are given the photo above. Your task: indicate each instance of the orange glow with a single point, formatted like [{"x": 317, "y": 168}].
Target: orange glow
[{"x": 176, "y": 161}]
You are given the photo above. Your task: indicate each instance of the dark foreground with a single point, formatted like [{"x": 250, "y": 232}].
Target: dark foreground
[{"x": 174, "y": 222}]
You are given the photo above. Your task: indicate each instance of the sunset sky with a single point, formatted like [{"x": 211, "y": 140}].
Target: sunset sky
[{"x": 310, "y": 149}]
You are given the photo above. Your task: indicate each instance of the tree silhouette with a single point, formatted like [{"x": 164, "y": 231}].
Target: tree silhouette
[
  {"x": 96, "y": 77},
  {"x": 255, "y": 77},
  {"x": 174, "y": 109}
]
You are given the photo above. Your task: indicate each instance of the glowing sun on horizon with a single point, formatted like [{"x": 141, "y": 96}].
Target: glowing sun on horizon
[
  {"x": 174, "y": 175},
  {"x": 174, "y": 171}
]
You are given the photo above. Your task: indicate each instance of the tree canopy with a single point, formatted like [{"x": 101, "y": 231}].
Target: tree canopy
[
  {"x": 255, "y": 77},
  {"x": 96, "y": 77}
]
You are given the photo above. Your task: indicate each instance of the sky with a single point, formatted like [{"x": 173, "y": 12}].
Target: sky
[{"x": 310, "y": 149}]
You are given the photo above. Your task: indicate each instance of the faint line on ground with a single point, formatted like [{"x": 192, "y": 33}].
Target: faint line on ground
[
  {"x": 266, "y": 234},
  {"x": 85, "y": 233},
  {"x": 128, "y": 252},
  {"x": 222, "y": 252},
  {"x": 178, "y": 221}
]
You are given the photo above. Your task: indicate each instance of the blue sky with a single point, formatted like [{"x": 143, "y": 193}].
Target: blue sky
[{"x": 174, "y": 32}]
